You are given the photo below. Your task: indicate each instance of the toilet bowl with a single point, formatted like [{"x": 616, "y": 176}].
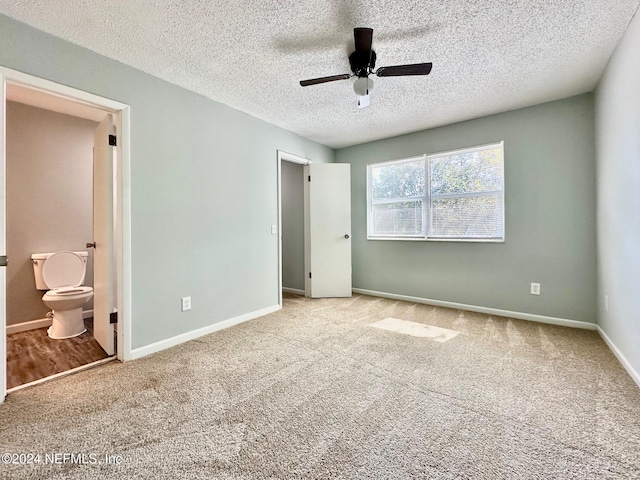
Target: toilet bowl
[{"x": 62, "y": 273}]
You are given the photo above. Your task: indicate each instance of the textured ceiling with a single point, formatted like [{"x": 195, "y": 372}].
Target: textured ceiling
[{"x": 488, "y": 55}]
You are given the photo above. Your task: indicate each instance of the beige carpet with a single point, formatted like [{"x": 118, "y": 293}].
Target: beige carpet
[{"x": 313, "y": 391}]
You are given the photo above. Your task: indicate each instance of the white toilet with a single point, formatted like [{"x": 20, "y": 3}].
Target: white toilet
[{"x": 62, "y": 273}]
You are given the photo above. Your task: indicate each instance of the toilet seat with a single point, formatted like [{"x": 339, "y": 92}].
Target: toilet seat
[
  {"x": 63, "y": 270},
  {"x": 69, "y": 291}
]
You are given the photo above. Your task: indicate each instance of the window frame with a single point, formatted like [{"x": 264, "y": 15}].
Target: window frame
[{"x": 427, "y": 198}]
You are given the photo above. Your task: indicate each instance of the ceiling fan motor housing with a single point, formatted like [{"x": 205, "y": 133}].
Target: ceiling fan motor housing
[{"x": 362, "y": 63}]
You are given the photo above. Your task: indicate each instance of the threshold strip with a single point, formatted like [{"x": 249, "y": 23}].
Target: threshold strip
[{"x": 62, "y": 374}]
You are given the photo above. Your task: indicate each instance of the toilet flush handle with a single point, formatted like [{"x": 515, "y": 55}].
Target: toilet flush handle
[{"x": 91, "y": 245}]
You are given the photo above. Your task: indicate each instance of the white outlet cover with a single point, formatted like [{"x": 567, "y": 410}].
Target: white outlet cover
[
  {"x": 274, "y": 229},
  {"x": 186, "y": 303},
  {"x": 535, "y": 289}
]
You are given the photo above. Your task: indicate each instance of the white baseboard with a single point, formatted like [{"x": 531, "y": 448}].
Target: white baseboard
[
  {"x": 39, "y": 323},
  {"x": 30, "y": 325},
  {"x": 295, "y": 291},
  {"x": 491, "y": 311},
  {"x": 621, "y": 358},
  {"x": 185, "y": 337}
]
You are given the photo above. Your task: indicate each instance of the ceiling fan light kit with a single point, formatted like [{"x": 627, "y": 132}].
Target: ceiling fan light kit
[
  {"x": 363, "y": 62},
  {"x": 362, "y": 86}
]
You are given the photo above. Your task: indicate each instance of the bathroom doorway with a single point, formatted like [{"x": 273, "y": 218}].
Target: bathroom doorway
[{"x": 101, "y": 125}]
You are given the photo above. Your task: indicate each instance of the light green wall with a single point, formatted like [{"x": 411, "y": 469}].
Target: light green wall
[
  {"x": 618, "y": 147},
  {"x": 550, "y": 217},
  {"x": 292, "y": 225},
  {"x": 203, "y": 188}
]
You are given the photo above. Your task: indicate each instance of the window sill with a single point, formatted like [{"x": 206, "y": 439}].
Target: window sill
[{"x": 456, "y": 240}]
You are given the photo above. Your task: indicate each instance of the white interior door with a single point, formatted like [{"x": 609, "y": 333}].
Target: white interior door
[
  {"x": 3, "y": 244},
  {"x": 330, "y": 229},
  {"x": 103, "y": 259}
]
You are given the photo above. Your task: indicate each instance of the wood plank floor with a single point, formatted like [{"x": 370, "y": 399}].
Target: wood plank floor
[{"x": 32, "y": 355}]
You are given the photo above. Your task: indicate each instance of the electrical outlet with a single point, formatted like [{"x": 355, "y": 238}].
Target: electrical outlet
[
  {"x": 186, "y": 303},
  {"x": 274, "y": 229},
  {"x": 535, "y": 289},
  {"x": 606, "y": 303}
]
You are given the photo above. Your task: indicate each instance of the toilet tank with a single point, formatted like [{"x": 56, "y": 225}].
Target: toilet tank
[{"x": 37, "y": 259}]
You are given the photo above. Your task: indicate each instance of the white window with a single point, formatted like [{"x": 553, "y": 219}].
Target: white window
[{"x": 456, "y": 195}]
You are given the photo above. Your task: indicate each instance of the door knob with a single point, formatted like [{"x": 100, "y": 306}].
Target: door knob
[
  {"x": 346, "y": 235},
  {"x": 91, "y": 245}
]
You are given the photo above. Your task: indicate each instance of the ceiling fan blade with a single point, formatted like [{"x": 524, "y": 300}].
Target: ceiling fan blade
[
  {"x": 402, "y": 70},
  {"x": 363, "y": 37},
  {"x": 316, "y": 81}
]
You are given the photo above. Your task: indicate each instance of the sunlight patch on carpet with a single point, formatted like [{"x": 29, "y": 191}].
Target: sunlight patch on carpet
[{"x": 415, "y": 329}]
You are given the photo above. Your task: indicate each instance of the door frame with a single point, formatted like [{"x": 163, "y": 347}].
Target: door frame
[
  {"x": 289, "y": 157},
  {"x": 122, "y": 193}
]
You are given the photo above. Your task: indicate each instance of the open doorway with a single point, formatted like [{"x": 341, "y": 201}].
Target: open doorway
[
  {"x": 326, "y": 213},
  {"x": 292, "y": 219},
  {"x": 292, "y": 175},
  {"x": 48, "y": 134},
  {"x": 49, "y": 208}
]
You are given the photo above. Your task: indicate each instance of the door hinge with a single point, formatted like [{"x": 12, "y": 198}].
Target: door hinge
[
  {"x": 4, "y": 261},
  {"x": 309, "y": 177},
  {"x": 113, "y": 317},
  {"x": 112, "y": 140},
  {"x": 309, "y": 274}
]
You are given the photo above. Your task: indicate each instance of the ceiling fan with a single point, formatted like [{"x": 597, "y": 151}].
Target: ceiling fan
[{"x": 363, "y": 62}]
